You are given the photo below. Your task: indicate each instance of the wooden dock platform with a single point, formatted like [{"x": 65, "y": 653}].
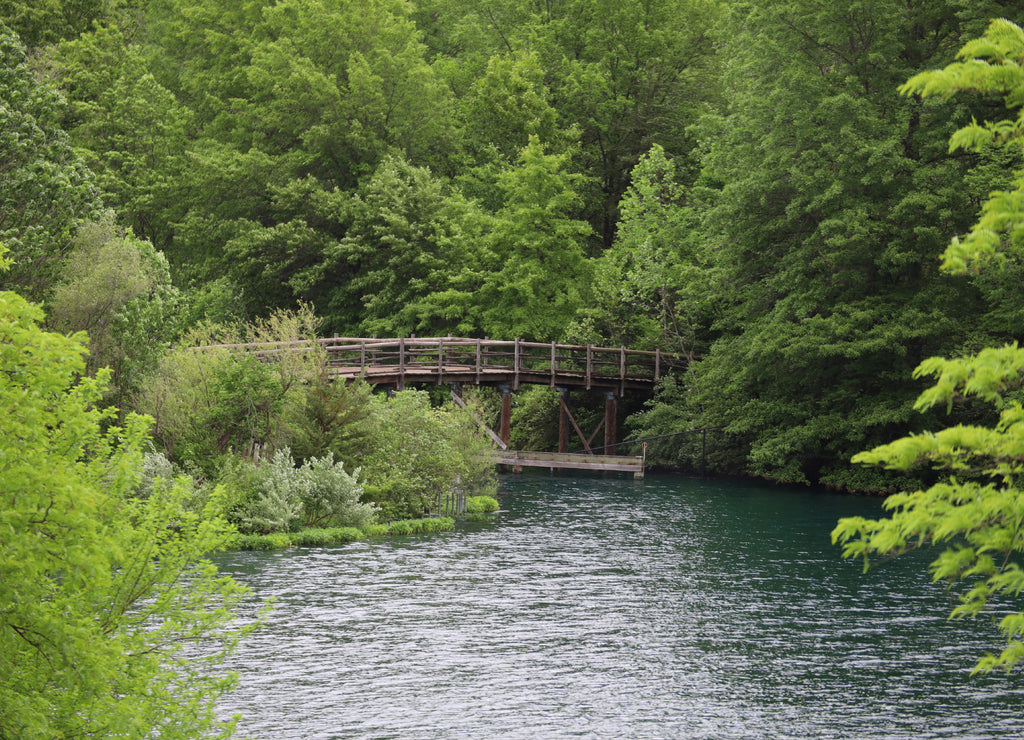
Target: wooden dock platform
[{"x": 574, "y": 460}]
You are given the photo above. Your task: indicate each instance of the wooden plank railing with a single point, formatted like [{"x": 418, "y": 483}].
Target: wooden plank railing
[{"x": 482, "y": 360}]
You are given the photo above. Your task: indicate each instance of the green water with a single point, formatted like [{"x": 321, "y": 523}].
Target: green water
[{"x": 608, "y": 608}]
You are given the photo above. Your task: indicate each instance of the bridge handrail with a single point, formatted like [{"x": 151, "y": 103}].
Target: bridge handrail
[{"x": 519, "y": 356}]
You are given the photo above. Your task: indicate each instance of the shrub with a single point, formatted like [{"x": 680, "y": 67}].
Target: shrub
[
  {"x": 210, "y": 396},
  {"x": 417, "y": 451},
  {"x": 401, "y": 527},
  {"x": 481, "y": 504},
  {"x": 329, "y": 495},
  {"x": 272, "y": 495},
  {"x": 276, "y": 496},
  {"x": 326, "y": 537},
  {"x": 332, "y": 417}
]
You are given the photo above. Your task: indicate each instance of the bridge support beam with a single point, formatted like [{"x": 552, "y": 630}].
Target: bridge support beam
[
  {"x": 610, "y": 422},
  {"x": 564, "y": 420},
  {"x": 505, "y": 423}
]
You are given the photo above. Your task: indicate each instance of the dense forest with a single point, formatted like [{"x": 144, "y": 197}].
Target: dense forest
[
  {"x": 739, "y": 180},
  {"x": 778, "y": 189}
]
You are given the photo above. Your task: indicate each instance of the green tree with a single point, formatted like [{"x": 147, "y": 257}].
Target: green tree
[
  {"x": 45, "y": 188},
  {"x": 129, "y": 129},
  {"x": 619, "y": 75},
  {"x": 408, "y": 238},
  {"x": 209, "y": 396},
  {"x": 297, "y": 103},
  {"x": 41, "y": 22},
  {"x": 826, "y": 200},
  {"x": 650, "y": 286},
  {"x": 100, "y": 592},
  {"x": 118, "y": 290},
  {"x": 539, "y": 275},
  {"x": 418, "y": 453},
  {"x": 976, "y": 514}
]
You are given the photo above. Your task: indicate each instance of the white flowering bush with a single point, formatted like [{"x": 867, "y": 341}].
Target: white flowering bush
[
  {"x": 330, "y": 496},
  {"x": 277, "y": 496}
]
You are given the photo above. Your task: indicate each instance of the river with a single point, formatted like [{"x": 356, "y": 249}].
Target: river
[{"x": 613, "y": 608}]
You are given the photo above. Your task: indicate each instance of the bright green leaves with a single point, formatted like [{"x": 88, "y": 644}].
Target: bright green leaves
[
  {"x": 419, "y": 453},
  {"x": 650, "y": 285},
  {"x": 991, "y": 64},
  {"x": 101, "y": 591},
  {"x": 987, "y": 375},
  {"x": 129, "y": 129},
  {"x": 979, "y": 514},
  {"x": 409, "y": 236},
  {"x": 540, "y": 275}
]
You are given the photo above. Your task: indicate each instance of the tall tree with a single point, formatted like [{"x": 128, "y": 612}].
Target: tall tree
[
  {"x": 650, "y": 286},
  {"x": 623, "y": 75},
  {"x": 129, "y": 129},
  {"x": 975, "y": 514},
  {"x": 45, "y": 189},
  {"x": 540, "y": 275},
  {"x": 834, "y": 206},
  {"x": 297, "y": 102},
  {"x": 409, "y": 236}
]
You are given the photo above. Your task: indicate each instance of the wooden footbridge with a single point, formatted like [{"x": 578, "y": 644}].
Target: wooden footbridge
[{"x": 398, "y": 363}]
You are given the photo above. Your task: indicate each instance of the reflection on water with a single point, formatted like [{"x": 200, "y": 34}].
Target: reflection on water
[{"x": 608, "y": 608}]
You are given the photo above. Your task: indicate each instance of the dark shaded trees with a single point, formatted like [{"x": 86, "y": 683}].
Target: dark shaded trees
[{"x": 832, "y": 200}]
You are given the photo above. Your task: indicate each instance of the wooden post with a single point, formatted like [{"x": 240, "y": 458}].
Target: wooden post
[
  {"x": 563, "y": 421},
  {"x": 657, "y": 364},
  {"x": 440, "y": 361},
  {"x": 515, "y": 365},
  {"x": 478, "y": 362},
  {"x": 554, "y": 364},
  {"x": 622, "y": 371},
  {"x": 610, "y": 408},
  {"x": 401, "y": 364},
  {"x": 590, "y": 363},
  {"x": 505, "y": 426}
]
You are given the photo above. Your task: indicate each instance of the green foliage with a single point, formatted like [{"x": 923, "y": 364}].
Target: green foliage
[
  {"x": 118, "y": 290},
  {"x": 651, "y": 285},
  {"x": 535, "y": 412},
  {"x": 481, "y": 504},
  {"x": 209, "y": 395},
  {"x": 419, "y": 452},
  {"x": 540, "y": 275},
  {"x": 331, "y": 496},
  {"x": 46, "y": 190},
  {"x": 102, "y": 591},
  {"x": 408, "y": 238},
  {"x": 276, "y": 496},
  {"x": 274, "y": 493},
  {"x": 130, "y": 130},
  {"x": 824, "y": 204},
  {"x": 334, "y": 536},
  {"x": 334, "y": 419},
  {"x": 977, "y": 513},
  {"x": 40, "y": 22}
]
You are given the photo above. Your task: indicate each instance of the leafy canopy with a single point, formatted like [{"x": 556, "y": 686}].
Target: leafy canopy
[
  {"x": 101, "y": 590},
  {"x": 977, "y": 513}
]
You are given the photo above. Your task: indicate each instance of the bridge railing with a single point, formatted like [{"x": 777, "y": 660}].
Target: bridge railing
[{"x": 478, "y": 357}]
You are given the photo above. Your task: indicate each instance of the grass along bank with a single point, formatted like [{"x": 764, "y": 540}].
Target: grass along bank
[{"x": 477, "y": 507}]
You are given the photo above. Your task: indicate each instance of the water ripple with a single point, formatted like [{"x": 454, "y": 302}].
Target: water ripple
[{"x": 613, "y": 609}]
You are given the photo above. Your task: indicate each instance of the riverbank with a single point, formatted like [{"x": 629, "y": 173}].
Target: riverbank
[{"x": 330, "y": 536}]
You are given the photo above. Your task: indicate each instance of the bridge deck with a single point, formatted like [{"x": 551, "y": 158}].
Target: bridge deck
[{"x": 574, "y": 460}]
